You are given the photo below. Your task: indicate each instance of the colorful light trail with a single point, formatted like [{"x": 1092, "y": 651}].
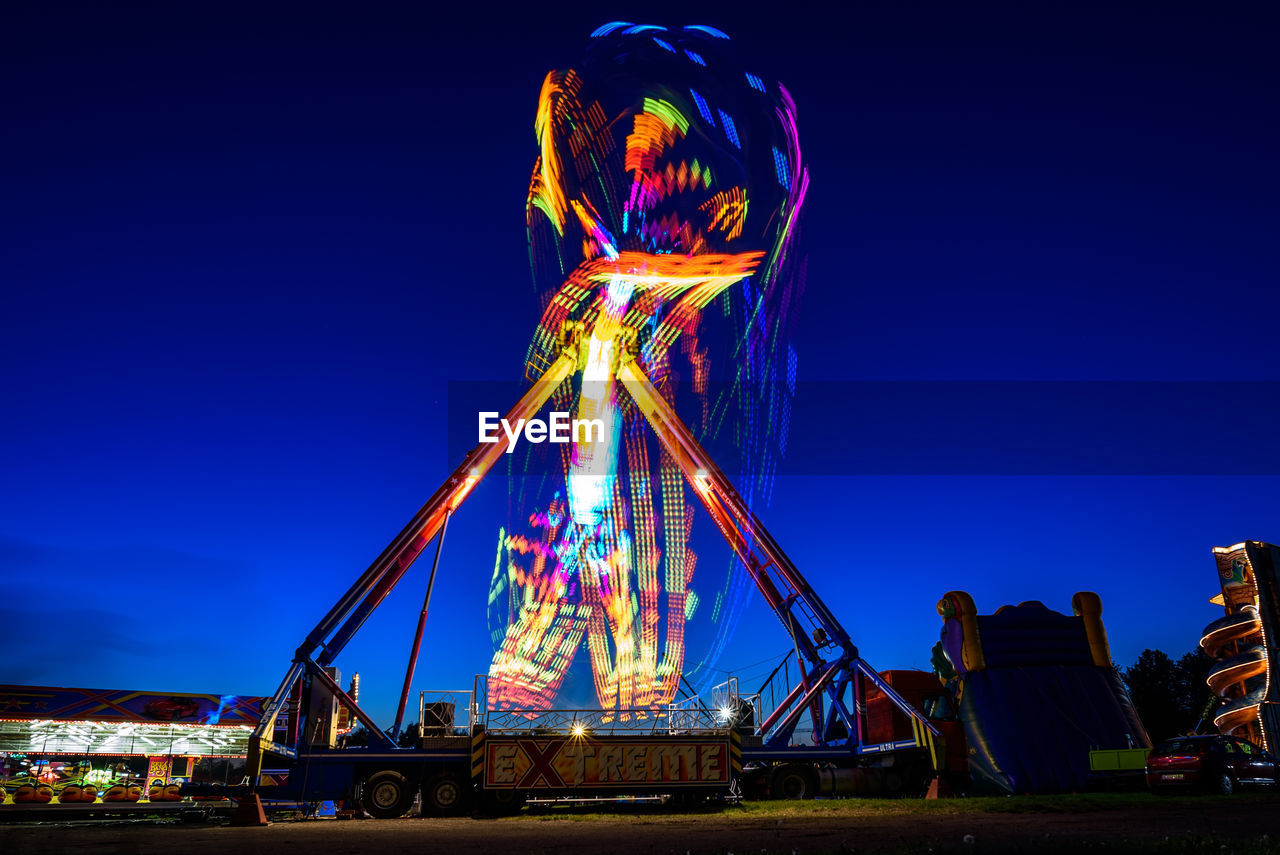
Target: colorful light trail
[{"x": 662, "y": 217}]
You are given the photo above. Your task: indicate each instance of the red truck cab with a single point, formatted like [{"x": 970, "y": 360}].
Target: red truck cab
[{"x": 922, "y": 689}]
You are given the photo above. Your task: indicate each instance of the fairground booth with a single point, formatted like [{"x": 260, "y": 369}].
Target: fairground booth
[{"x": 65, "y": 746}]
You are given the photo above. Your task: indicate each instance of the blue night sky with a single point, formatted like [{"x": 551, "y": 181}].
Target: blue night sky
[{"x": 247, "y": 248}]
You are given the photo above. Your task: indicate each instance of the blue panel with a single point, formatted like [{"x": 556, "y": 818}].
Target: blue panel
[
  {"x": 642, "y": 28},
  {"x": 663, "y": 44},
  {"x": 696, "y": 57},
  {"x": 755, "y": 82},
  {"x": 703, "y": 108},
  {"x": 1032, "y": 728},
  {"x": 780, "y": 166},
  {"x": 711, "y": 31},
  {"x": 730, "y": 130},
  {"x": 609, "y": 28},
  {"x": 1033, "y": 634}
]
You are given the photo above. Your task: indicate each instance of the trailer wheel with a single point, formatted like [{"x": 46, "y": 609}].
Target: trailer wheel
[
  {"x": 794, "y": 782},
  {"x": 386, "y": 795},
  {"x": 502, "y": 802},
  {"x": 443, "y": 795}
]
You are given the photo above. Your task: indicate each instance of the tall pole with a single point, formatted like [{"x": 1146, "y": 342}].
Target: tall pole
[{"x": 422, "y": 624}]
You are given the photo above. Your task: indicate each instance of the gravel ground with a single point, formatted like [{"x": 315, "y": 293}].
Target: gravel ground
[{"x": 1218, "y": 826}]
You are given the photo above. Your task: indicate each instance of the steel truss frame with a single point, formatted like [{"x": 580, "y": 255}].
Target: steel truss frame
[{"x": 833, "y": 677}]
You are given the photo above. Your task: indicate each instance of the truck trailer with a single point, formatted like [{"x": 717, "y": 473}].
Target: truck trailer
[{"x": 822, "y": 730}]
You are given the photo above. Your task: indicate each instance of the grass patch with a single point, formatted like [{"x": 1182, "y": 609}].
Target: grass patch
[
  {"x": 1070, "y": 803},
  {"x": 1210, "y": 845},
  {"x": 1076, "y": 803}
]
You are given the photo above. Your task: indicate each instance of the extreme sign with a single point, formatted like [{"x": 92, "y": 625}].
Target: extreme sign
[{"x": 570, "y": 762}]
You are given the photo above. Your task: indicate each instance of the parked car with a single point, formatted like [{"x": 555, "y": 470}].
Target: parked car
[{"x": 1217, "y": 763}]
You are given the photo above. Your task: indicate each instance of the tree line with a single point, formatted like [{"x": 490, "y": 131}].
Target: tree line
[{"x": 1171, "y": 695}]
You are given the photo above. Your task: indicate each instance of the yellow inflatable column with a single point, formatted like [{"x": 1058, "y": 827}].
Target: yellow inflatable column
[
  {"x": 1088, "y": 607},
  {"x": 959, "y": 605}
]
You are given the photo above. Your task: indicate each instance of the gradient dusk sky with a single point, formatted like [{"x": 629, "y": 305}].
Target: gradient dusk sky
[{"x": 248, "y": 246}]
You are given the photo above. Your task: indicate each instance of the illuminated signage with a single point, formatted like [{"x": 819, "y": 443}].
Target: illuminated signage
[{"x": 561, "y": 763}]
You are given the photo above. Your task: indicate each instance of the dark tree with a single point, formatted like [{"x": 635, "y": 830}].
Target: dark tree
[
  {"x": 1192, "y": 671},
  {"x": 1170, "y": 696},
  {"x": 408, "y": 737},
  {"x": 1152, "y": 682}
]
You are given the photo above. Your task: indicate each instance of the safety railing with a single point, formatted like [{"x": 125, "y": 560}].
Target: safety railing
[
  {"x": 687, "y": 715},
  {"x": 443, "y": 712},
  {"x": 650, "y": 722}
]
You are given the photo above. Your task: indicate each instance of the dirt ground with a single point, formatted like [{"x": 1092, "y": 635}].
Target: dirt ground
[{"x": 1214, "y": 825}]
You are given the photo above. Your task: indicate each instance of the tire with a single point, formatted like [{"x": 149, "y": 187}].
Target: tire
[
  {"x": 386, "y": 795},
  {"x": 502, "y": 802},
  {"x": 444, "y": 795},
  {"x": 1223, "y": 785},
  {"x": 793, "y": 782}
]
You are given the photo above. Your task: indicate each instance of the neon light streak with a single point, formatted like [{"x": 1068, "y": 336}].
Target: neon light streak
[{"x": 665, "y": 226}]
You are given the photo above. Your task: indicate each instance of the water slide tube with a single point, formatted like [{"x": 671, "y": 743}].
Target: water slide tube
[{"x": 1240, "y": 677}]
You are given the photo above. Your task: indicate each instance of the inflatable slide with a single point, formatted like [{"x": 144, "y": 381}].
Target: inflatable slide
[{"x": 1035, "y": 691}]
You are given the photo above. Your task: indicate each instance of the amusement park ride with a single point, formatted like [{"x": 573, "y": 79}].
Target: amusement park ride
[
  {"x": 668, "y": 177},
  {"x": 512, "y": 753}
]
